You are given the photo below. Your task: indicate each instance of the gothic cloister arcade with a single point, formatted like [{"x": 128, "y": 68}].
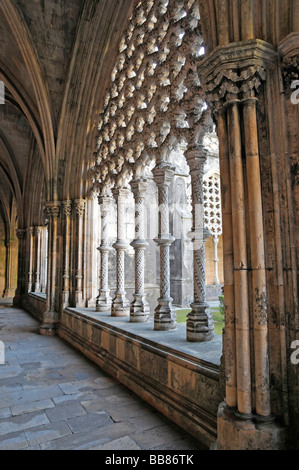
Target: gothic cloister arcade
[{"x": 148, "y": 155}]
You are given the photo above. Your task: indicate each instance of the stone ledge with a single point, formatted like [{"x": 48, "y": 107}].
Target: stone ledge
[
  {"x": 179, "y": 379},
  {"x": 35, "y": 303}
]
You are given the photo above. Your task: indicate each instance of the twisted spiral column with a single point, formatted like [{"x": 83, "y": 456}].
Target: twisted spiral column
[
  {"x": 165, "y": 314},
  {"x": 200, "y": 325},
  {"x": 120, "y": 304},
  {"x": 103, "y": 302},
  {"x": 140, "y": 310}
]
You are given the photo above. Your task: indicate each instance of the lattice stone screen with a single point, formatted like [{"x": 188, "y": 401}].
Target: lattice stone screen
[
  {"x": 213, "y": 215},
  {"x": 155, "y": 98}
]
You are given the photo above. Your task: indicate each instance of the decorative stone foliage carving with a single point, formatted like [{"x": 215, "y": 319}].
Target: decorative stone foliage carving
[{"x": 154, "y": 104}]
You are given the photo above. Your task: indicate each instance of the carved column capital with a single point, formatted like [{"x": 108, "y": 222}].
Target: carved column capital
[
  {"x": 120, "y": 193},
  {"x": 163, "y": 175},
  {"x": 67, "y": 208},
  {"x": 37, "y": 231},
  {"x": 80, "y": 207},
  {"x": 139, "y": 187},
  {"x": 52, "y": 209},
  {"x": 289, "y": 56},
  {"x": 236, "y": 69},
  {"x": 196, "y": 157},
  {"x": 21, "y": 234}
]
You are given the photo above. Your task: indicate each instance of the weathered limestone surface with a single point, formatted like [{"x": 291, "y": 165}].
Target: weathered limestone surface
[{"x": 98, "y": 94}]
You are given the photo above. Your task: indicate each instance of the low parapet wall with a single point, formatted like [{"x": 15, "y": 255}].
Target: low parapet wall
[{"x": 179, "y": 379}]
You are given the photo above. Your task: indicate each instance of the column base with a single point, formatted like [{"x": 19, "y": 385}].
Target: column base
[
  {"x": 120, "y": 306},
  {"x": 48, "y": 329},
  {"x": 237, "y": 434},
  {"x": 140, "y": 310},
  {"x": 103, "y": 302},
  {"x": 17, "y": 299},
  {"x": 49, "y": 325},
  {"x": 200, "y": 325},
  {"x": 65, "y": 299},
  {"x": 79, "y": 299},
  {"x": 9, "y": 293},
  {"x": 165, "y": 316}
]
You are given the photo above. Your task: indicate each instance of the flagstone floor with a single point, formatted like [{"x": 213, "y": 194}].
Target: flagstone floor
[{"x": 53, "y": 398}]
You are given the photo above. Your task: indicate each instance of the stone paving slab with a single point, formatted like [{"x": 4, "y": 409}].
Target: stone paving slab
[
  {"x": 53, "y": 398},
  {"x": 32, "y": 407}
]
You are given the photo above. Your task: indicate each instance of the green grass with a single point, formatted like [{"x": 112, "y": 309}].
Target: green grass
[{"x": 217, "y": 317}]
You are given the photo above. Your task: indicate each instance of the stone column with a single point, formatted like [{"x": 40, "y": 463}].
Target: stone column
[
  {"x": 30, "y": 239},
  {"x": 91, "y": 243},
  {"x": 21, "y": 236},
  {"x": 233, "y": 90},
  {"x": 140, "y": 310},
  {"x": 9, "y": 271},
  {"x": 37, "y": 235},
  {"x": 103, "y": 303},
  {"x": 50, "y": 318},
  {"x": 243, "y": 362},
  {"x": 80, "y": 210},
  {"x": 257, "y": 250},
  {"x": 44, "y": 260},
  {"x": 67, "y": 212},
  {"x": 216, "y": 281},
  {"x": 120, "y": 304},
  {"x": 200, "y": 326},
  {"x": 165, "y": 315}
]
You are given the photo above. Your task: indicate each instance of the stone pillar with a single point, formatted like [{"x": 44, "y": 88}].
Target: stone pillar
[
  {"x": 200, "y": 326},
  {"x": 80, "y": 210},
  {"x": 37, "y": 235},
  {"x": 67, "y": 212},
  {"x": 140, "y": 310},
  {"x": 9, "y": 270},
  {"x": 50, "y": 319},
  {"x": 244, "y": 420},
  {"x": 30, "y": 248},
  {"x": 44, "y": 260},
  {"x": 103, "y": 303},
  {"x": 257, "y": 250},
  {"x": 165, "y": 315},
  {"x": 22, "y": 284},
  {"x": 91, "y": 241},
  {"x": 120, "y": 304}
]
